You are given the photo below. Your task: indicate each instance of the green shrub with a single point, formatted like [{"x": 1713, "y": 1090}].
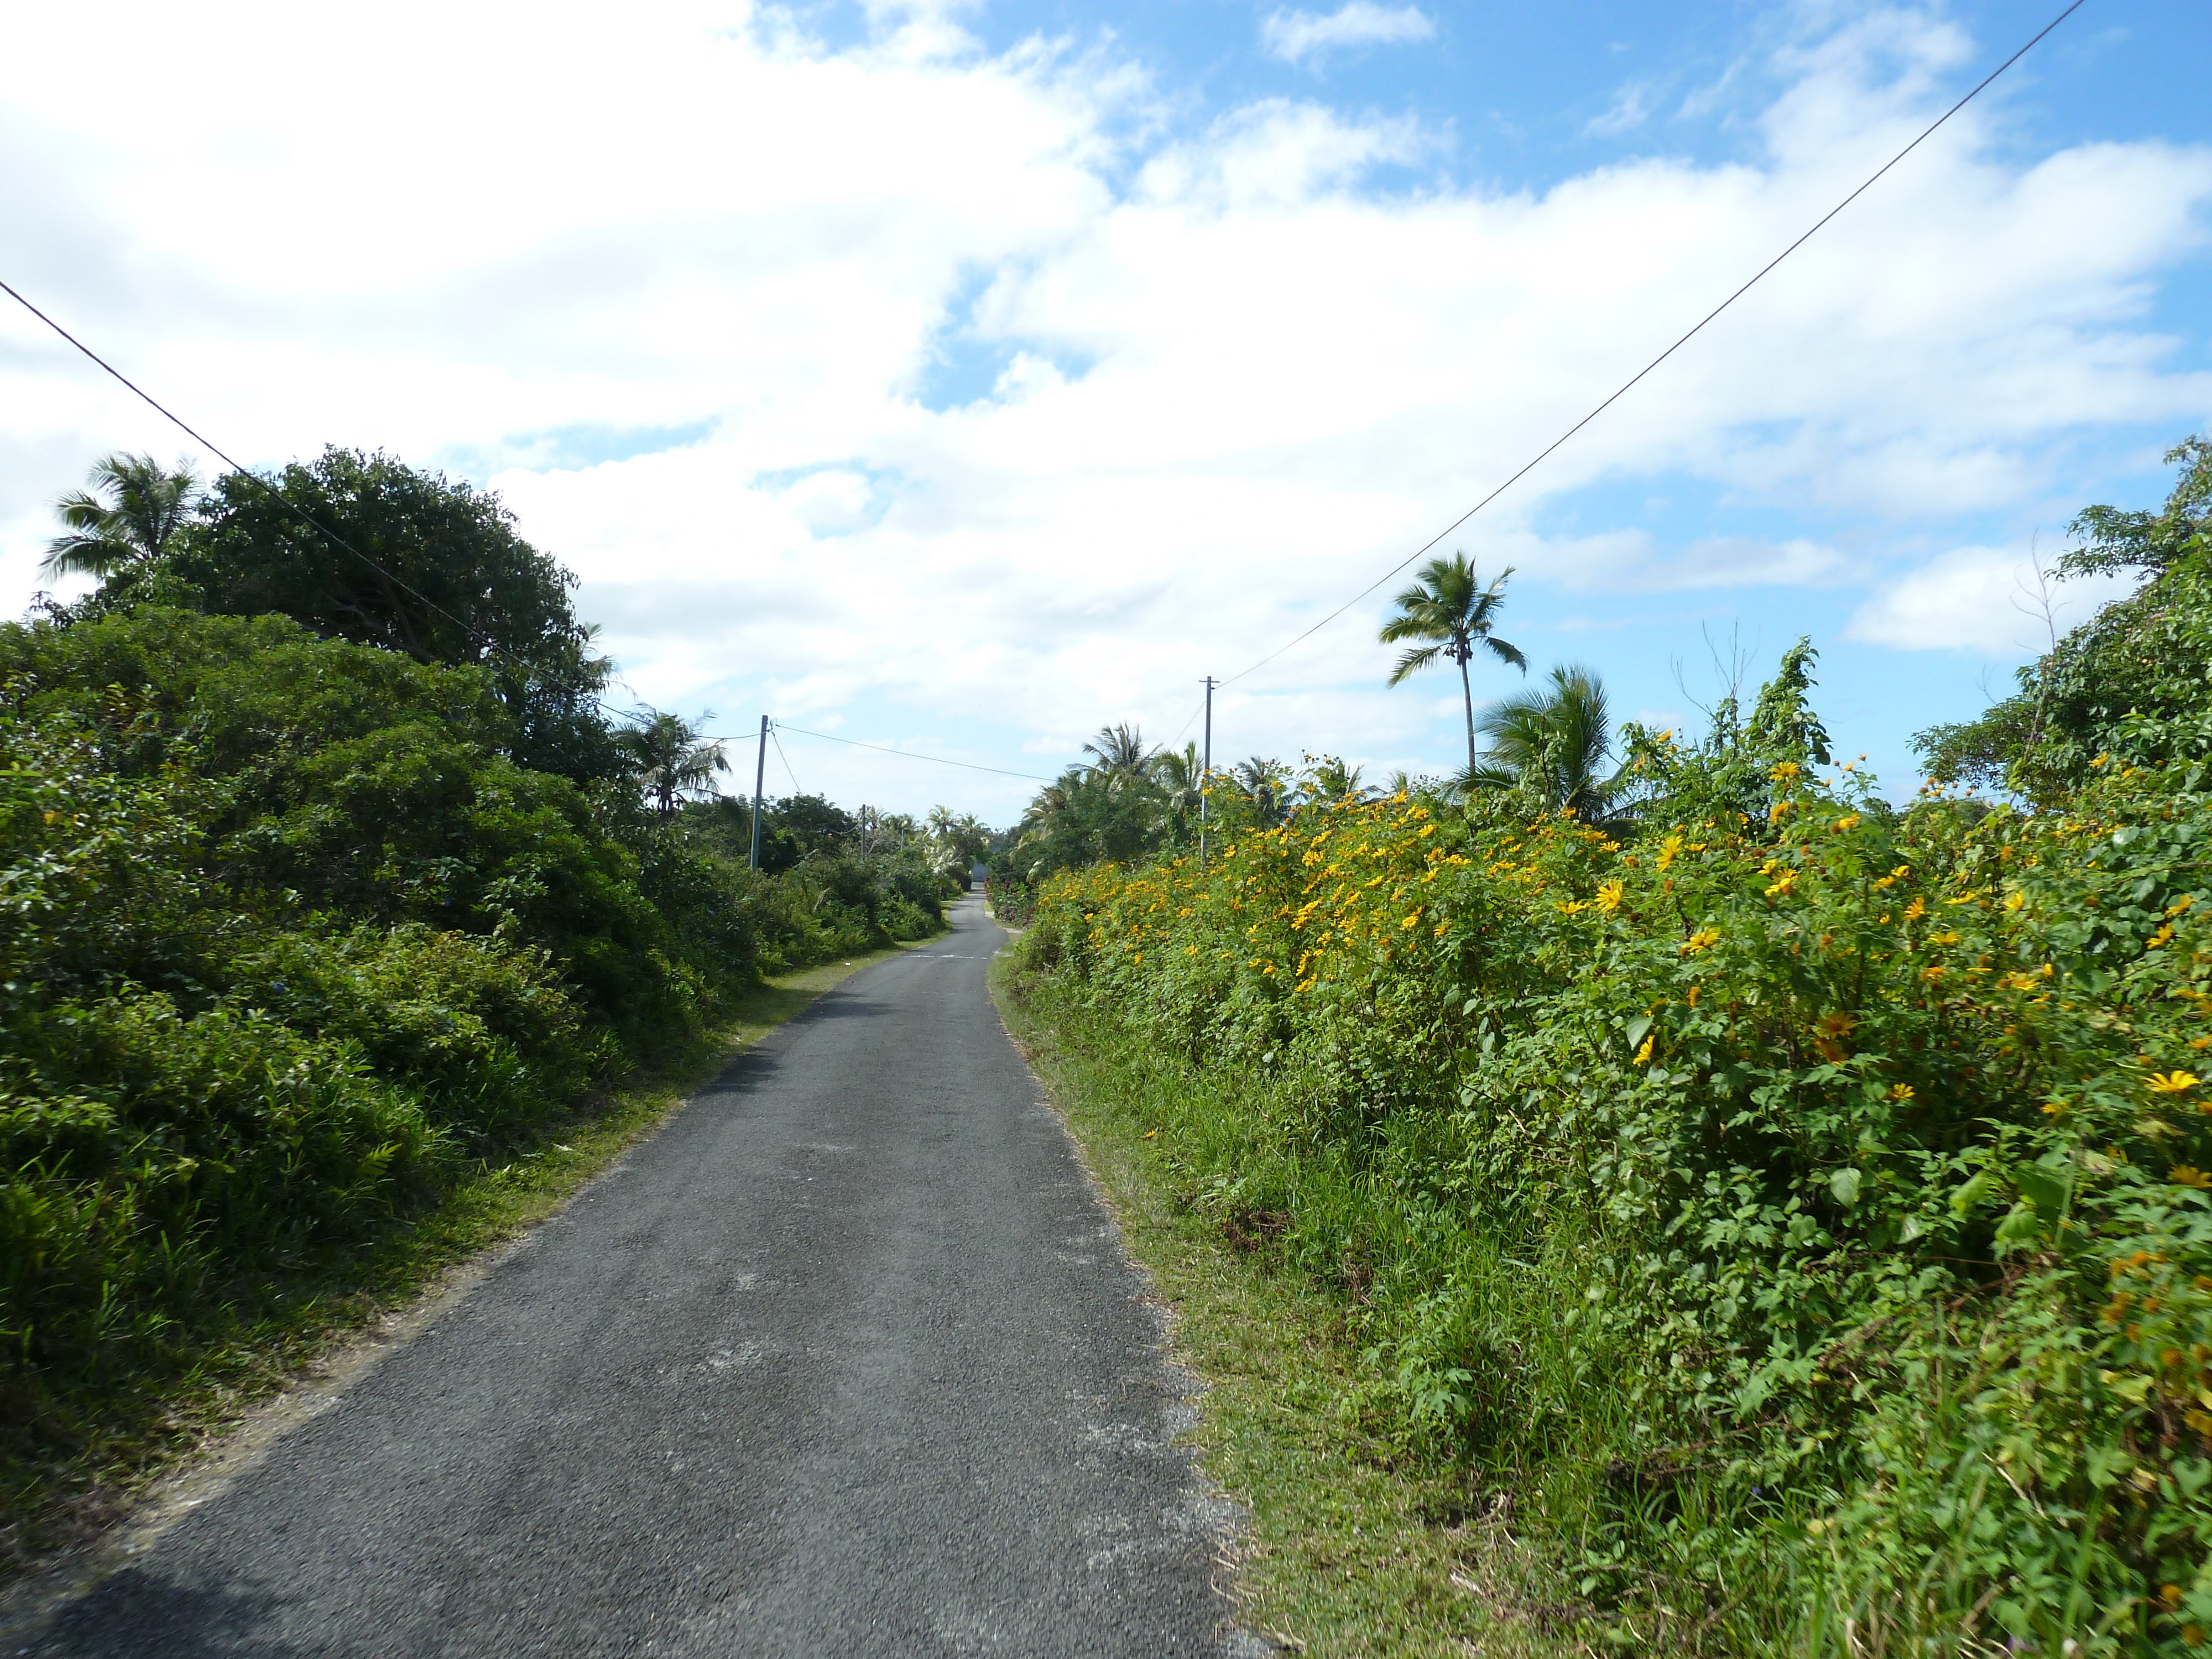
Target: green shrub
[{"x": 1778, "y": 1205}]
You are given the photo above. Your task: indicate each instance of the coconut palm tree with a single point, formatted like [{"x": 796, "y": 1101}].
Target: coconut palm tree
[
  {"x": 1448, "y": 607},
  {"x": 1119, "y": 751},
  {"x": 1330, "y": 780},
  {"x": 133, "y": 514},
  {"x": 670, "y": 758},
  {"x": 1181, "y": 775},
  {"x": 1265, "y": 783},
  {"x": 1556, "y": 742}
]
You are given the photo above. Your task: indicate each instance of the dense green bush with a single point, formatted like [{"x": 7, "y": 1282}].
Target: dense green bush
[
  {"x": 1804, "y": 1214},
  {"x": 290, "y": 940}
]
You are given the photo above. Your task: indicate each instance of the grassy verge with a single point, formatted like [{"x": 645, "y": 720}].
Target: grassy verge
[
  {"x": 1351, "y": 1549},
  {"x": 277, "y": 1329}
]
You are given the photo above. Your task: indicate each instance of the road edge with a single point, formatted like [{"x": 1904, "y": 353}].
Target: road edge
[{"x": 316, "y": 1374}]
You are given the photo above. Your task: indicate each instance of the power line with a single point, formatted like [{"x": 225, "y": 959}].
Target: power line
[
  {"x": 283, "y": 499},
  {"x": 1665, "y": 355},
  {"x": 786, "y": 759},
  {"x": 1186, "y": 726},
  {"x": 907, "y": 754}
]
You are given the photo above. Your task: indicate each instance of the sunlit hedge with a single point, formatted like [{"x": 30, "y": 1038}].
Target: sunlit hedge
[
  {"x": 288, "y": 941},
  {"x": 1810, "y": 1214}
]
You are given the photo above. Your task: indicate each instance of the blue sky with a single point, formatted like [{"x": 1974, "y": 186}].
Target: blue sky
[{"x": 964, "y": 378}]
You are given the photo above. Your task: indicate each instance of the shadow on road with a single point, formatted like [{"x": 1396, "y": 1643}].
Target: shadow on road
[{"x": 135, "y": 1613}]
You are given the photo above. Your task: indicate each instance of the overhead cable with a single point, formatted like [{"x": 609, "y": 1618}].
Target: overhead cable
[
  {"x": 905, "y": 754},
  {"x": 786, "y": 759},
  {"x": 284, "y": 500},
  {"x": 1665, "y": 355}
]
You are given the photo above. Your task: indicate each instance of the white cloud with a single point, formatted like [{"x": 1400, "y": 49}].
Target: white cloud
[
  {"x": 1297, "y": 36},
  {"x": 1214, "y": 381},
  {"x": 1631, "y": 107},
  {"x": 1630, "y": 561},
  {"x": 1984, "y": 599}
]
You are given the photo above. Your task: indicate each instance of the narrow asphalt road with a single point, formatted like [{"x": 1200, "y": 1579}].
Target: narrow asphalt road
[{"x": 845, "y": 1361}]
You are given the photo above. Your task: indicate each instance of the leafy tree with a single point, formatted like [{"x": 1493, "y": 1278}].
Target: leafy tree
[
  {"x": 2112, "y": 684},
  {"x": 1782, "y": 724},
  {"x": 134, "y": 512},
  {"x": 363, "y": 548},
  {"x": 1732, "y": 773},
  {"x": 1448, "y": 607},
  {"x": 669, "y": 759},
  {"x": 1553, "y": 744},
  {"x": 814, "y": 824}
]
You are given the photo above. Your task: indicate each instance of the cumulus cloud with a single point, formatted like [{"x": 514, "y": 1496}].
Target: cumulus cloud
[
  {"x": 1988, "y": 600},
  {"x": 680, "y": 289},
  {"x": 1633, "y": 561},
  {"x": 1297, "y": 37}
]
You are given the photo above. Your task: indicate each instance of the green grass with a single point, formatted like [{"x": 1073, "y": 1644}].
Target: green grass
[
  {"x": 1350, "y": 1550},
  {"x": 276, "y": 1330}
]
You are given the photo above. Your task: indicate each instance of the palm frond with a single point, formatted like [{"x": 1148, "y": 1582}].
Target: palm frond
[
  {"x": 1504, "y": 653},
  {"x": 1414, "y": 660}
]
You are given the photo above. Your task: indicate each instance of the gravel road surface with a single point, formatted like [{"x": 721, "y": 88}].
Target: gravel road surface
[{"x": 845, "y": 1361}]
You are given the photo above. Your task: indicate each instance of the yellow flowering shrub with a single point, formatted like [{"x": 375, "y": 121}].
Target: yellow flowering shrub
[{"x": 1757, "y": 1127}]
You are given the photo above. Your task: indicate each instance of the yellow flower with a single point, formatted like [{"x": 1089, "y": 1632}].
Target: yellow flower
[
  {"x": 1610, "y": 896},
  {"x": 1900, "y": 1091},
  {"x": 1644, "y": 1055},
  {"x": 1783, "y": 884},
  {"x": 2176, "y": 1082},
  {"x": 1849, "y": 821},
  {"x": 1784, "y": 770},
  {"x": 2159, "y": 938},
  {"x": 1828, "y": 1035},
  {"x": 1413, "y": 920},
  {"x": 1704, "y": 939},
  {"x": 1667, "y": 850},
  {"x": 1917, "y": 909},
  {"x": 2181, "y": 1175}
]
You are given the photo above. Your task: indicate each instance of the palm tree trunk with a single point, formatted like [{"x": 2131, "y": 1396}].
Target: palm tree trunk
[{"x": 1467, "y": 691}]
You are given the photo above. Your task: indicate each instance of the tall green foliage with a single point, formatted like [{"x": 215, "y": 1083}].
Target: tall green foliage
[
  {"x": 288, "y": 938},
  {"x": 363, "y": 548},
  {"x": 1799, "y": 1208},
  {"x": 2150, "y": 655}
]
